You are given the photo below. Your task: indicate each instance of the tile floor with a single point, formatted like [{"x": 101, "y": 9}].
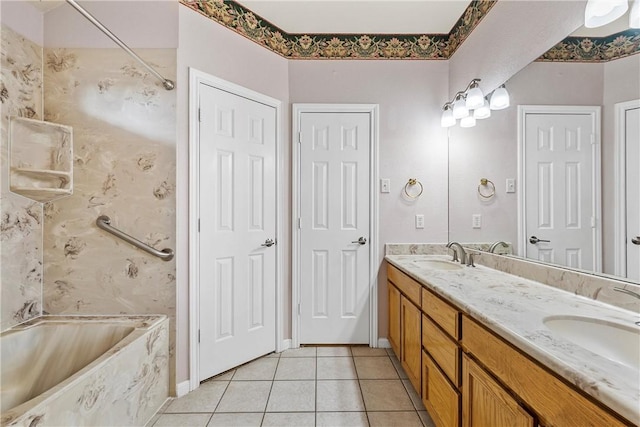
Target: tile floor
[{"x": 310, "y": 386}]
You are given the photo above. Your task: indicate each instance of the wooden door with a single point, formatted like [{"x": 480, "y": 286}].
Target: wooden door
[
  {"x": 441, "y": 399},
  {"x": 394, "y": 318},
  {"x": 410, "y": 341}
]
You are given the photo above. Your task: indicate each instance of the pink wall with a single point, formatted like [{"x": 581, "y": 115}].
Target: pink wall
[
  {"x": 24, "y": 19},
  {"x": 412, "y": 143}
]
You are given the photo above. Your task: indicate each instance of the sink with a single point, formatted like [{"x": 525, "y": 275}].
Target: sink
[
  {"x": 614, "y": 341},
  {"x": 436, "y": 264}
]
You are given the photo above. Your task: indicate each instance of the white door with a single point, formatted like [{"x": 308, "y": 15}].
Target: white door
[
  {"x": 632, "y": 136},
  {"x": 237, "y": 206},
  {"x": 334, "y": 227},
  {"x": 562, "y": 189}
]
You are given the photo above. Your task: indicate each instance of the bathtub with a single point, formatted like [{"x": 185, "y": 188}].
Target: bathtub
[{"x": 84, "y": 370}]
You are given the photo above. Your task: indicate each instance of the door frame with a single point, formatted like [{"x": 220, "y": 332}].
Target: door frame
[
  {"x": 620, "y": 174},
  {"x": 297, "y": 111},
  {"x": 196, "y": 78},
  {"x": 594, "y": 111}
]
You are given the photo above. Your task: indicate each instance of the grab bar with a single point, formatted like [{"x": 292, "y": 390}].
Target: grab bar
[
  {"x": 104, "y": 222},
  {"x": 168, "y": 84}
]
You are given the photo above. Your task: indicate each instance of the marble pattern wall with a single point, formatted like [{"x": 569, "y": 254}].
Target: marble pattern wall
[
  {"x": 21, "y": 219},
  {"x": 124, "y": 126}
]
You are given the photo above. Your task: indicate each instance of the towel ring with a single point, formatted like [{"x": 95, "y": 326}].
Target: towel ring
[
  {"x": 484, "y": 182},
  {"x": 411, "y": 183}
]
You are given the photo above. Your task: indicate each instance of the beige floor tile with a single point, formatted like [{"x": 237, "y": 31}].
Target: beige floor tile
[
  {"x": 260, "y": 369},
  {"x": 293, "y": 419},
  {"x": 336, "y": 368},
  {"x": 338, "y": 395},
  {"x": 204, "y": 399},
  {"x": 394, "y": 419},
  {"x": 385, "y": 395},
  {"x": 296, "y": 368},
  {"x": 334, "y": 351},
  {"x": 413, "y": 395},
  {"x": 292, "y": 396},
  {"x": 396, "y": 364},
  {"x": 245, "y": 396},
  {"x": 375, "y": 368},
  {"x": 368, "y": 351},
  {"x": 341, "y": 419},
  {"x": 249, "y": 419},
  {"x": 426, "y": 419},
  {"x": 225, "y": 376},
  {"x": 182, "y": 420},
  {"x": 300, "y": 352}
]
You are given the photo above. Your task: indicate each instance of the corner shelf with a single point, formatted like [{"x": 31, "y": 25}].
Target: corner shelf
[{"x": 40, "y": 159}]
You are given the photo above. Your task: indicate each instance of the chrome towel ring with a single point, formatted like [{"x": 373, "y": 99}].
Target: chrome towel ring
[
  {"x": 413, "y": 182},
  {"x": 484, "y": 182}
]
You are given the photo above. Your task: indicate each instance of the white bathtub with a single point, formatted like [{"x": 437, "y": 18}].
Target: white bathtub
[{"x": 84, "y": 370}]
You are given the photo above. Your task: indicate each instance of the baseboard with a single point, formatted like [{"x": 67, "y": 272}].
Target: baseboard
[
  {"x": 182, "y": 388},
  {"x": 383, "y": 343},
  {"x": 284, "y": 345}
]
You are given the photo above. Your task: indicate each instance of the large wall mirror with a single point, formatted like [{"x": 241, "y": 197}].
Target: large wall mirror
[{"x": 566, "y": 101}]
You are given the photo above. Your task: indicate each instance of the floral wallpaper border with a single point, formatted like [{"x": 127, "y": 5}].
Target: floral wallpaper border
[
  {"x": 341, "y": 46},
  {"x": 399, "y": 46},
  {"x": 594, "y": 49}
]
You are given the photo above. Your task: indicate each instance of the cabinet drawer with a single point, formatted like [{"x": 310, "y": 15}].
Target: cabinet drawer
[
  {"x": 443, "y": 349},
  {"x": 405, "y": 284},
  {"x": 439, "y": 397},
  {"x": 442, "y": 313},
  {"x": 555, "y": 402}
]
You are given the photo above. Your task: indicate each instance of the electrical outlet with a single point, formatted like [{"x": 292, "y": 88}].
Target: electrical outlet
[
  {"x": 385, "y": 185},
  {"x": 511, "y": 185},
  {"x": 476, "y": 221},
  {"x": 420, "y": 221}
]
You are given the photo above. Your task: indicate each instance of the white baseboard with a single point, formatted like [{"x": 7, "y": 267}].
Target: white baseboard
[
  {"x": 383, "y": 343},
  {"x": 284, "y": 345},
  {"x": 182, "y": 388}
]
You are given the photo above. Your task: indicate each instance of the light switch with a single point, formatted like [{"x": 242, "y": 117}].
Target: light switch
[
  {"x": 476, "y": 220},
  {"x": 419, "y": 221},
  {"x": 385, "y": 185},
  {"x": 511, "y": 185}
]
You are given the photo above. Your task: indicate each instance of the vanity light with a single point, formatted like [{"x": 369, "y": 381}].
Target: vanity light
[
  {"x": 460, "y": 109},
  {"x": 474, "y": 96},
  {"x": 468, "y": 122},
  {"x": 482, "y": 112},
  {"x": 447, "y": 119},
  {"x": 601, "y": 12},
  {"x": 634, "y": 15},
  {"x": 499, "y": 99}
]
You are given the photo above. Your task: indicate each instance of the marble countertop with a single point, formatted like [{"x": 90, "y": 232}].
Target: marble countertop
[{"x": 515, "y": 308}]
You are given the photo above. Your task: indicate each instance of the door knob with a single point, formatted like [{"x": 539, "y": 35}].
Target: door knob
[
  {"x": 533, "y": 240},
  {"x": 635, "y": 240},
  {"x": 361, "y": 240},
  {"x": 268, "y": 243}
]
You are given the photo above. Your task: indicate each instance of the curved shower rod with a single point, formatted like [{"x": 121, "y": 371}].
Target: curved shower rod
[{"x": 168, "y": 84}]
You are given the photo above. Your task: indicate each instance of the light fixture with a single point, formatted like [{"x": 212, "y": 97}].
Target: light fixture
[
  {"x": 460, "y": 109},
  {"x": 499, "y": 99},
  {"x": 483, "y": 112},
  {"x": 474, "y": 96},
  {"x": 601, "y": 12},
  {"x": 634, "y": 15},
  {"x": 468, "y": 122},
  {"x": 447, "y": 119}
]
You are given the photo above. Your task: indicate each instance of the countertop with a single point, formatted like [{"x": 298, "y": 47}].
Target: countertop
[{"x": 514, "y": 308}]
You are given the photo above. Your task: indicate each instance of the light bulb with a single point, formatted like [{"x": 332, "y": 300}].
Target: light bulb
[
  {"x": 499, "y": 99},
  {"x": 634, "y": 15},
  {"x": 602, "y": 12},
  {"x": 460, "y": 109},
  {"x": 483, "y": 112},
  {"x": 447, "y": 119},
  {"x": 468, "y": 122},
  {"x": 474, "y": 96}
]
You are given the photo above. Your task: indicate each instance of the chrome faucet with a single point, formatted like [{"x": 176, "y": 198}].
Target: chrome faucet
[
  {"x": 494, "y": 246},
  {"x": 463, "y": 254},
  {"x": 628, "y": 292}
]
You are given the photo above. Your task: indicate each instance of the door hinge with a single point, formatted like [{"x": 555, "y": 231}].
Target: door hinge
[
  {"x": 198, "y": 335},
  {"x": 299, "y": 223},
  {"x": 593, "y": 138},
  {"x": 299, "y": 137},
  {"x": 199, "y": 114},
  {"x": 299, "y": 310},
  {"x": 198, "y": 225},
  {"x": 593, "y": 222}
]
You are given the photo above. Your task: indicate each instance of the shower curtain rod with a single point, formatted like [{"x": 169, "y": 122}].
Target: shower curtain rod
[{"x": 168, "y": 84}]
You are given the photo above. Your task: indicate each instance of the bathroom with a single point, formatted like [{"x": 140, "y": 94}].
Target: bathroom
[{"x": 131, "y": 150}]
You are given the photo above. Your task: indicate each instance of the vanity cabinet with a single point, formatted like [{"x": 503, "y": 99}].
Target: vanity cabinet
[{"x": 394, "y": 317}]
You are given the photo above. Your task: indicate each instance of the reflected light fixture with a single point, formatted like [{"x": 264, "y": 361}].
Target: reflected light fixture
[
  {"x": 474, "y": 96},
  {"x": 499, "y": 99},
  {"x": 482, "y": 112},
  {"x": 460, "y": 109},
  {"x": 468, "y": 122},
  {"x": 447, "y": 119},
  {"x": 634, "y": 15},
  {"x": 602, "y": 12}
]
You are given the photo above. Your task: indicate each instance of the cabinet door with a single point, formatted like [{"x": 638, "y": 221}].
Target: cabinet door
[
  {"x": 440, "y": 398},
  {"x": 410, "y": 341},
  {"x": 394, "y": 318},
  {"x": 486, "y": 403}
]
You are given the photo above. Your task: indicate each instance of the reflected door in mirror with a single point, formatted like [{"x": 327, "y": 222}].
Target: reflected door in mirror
[{"x": 632, "y": 136}]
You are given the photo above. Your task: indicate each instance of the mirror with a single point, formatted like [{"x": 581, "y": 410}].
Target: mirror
[{"x": 490, "y": 149}]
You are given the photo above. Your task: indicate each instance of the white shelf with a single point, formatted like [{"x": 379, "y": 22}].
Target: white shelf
[
  {"x": 42, "y": 194},
  {"x": 41, "y": 173}
]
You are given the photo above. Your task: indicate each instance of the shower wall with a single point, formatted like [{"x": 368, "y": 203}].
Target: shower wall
[{"x": 21, "y": 226}]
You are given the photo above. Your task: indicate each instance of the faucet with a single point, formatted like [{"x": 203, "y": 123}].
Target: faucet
[
  {"x": 628, "y": 292},
  {"x": 494, "y": 246},
  {"x": 463, "y": 254}
]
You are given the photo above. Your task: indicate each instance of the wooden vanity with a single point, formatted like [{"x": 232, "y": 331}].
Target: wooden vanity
[{"x": 468, "y": 376}]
